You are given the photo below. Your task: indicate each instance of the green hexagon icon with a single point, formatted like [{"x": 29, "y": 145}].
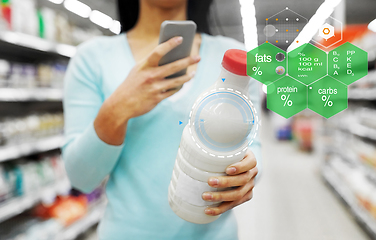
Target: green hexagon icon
[
  {"x": 266, "y": 63},
  {"x": 347, "y": 63},
  {"x": 307, "y": 63},
  {"x": 327, "y": 97},
  {"x": 286, "y": 97}
]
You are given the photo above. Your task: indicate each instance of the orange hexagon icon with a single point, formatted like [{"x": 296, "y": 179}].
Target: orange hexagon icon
[{"x": 326, "y": 31}]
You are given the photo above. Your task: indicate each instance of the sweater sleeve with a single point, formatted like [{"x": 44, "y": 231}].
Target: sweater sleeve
[{"x": 88, "y": 160}]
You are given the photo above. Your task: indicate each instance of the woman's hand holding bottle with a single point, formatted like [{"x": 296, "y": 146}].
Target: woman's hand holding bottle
[{"x": 241, "y": 175}]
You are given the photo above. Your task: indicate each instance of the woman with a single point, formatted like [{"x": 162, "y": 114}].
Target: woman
[{"x": 121, "y": 121}]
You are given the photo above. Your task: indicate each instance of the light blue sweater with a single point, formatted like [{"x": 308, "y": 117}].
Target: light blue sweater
[{"x": 140, "y": 169}]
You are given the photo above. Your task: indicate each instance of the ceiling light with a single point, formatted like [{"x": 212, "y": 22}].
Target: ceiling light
[
  {"x": 248, "y": 13},
  {"x": 101, "y": 19},
  {"x": 115, "y": 27},
  {"x": 372, "y": 26},
  {"x": 57, "y": 1},
  {"x": 78, "y": 8}
]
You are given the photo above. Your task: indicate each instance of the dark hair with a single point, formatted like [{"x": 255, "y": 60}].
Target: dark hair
[{"x": 198, "y": 11}]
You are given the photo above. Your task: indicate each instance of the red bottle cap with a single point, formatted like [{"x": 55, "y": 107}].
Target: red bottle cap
[{"x": 235, "y": 61}]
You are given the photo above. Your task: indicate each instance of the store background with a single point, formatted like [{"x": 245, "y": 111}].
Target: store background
[{"x": 319, "y": 176}]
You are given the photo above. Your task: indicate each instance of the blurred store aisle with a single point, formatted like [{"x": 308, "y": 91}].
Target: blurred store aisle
[{"x": 291, "y": 201}]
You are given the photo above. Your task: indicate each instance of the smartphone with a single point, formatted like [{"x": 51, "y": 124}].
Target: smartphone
[{"x": 170, "y": 29}]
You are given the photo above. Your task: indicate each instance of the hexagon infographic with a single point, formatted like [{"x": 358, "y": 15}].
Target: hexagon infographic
[
  {"x": 286, "y": 96},
  {"x": 307, "y": 76},
  {"x": 347, "y": 63},
  {"x": 266, "y": 63},
  {"x": 305, "y": 82},
  {"x": 327, "y": 97},
  {"x": 307, "y": 63}
]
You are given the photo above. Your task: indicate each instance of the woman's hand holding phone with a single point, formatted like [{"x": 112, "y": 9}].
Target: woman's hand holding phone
[{"x": 141, "y": 91}]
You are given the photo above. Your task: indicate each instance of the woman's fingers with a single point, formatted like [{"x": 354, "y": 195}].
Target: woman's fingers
[
  {"x": 171, "y": 68},
  {"x": 162, "y": 49},
  {"x": 233, "y": 181},
  {"x": 174, "y": 67},
  {"x": 172, "y": 83},
  {"x": 230, "y": 195},
  {"x": 225, "y": 206},
  {"x": 169, "y": 89},
  {"x": 249, "y": 162},
  {"x": 169, "y": 93}
]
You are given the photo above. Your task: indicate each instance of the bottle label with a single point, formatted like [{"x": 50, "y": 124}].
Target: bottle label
[{"x": 191, "y": 190}]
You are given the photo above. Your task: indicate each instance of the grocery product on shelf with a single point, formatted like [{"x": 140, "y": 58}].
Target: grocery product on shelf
[
  {"x": 63, "y": 219},
  {"x": 25, "y": 17},
  {"x": 281, "y": 126},
  {"x": 47, "y": 28},
  {"x": 304, "y": 125},
  {"x": 361, "y": 187},
  {"x": 22, "y": 76},
  {"x": 6, "y": 13},
  {"x": 30, "y": 128},
  {"x": 65, "y": 209},
  {"x": 5, "y": 187},
  {"x": 51, "y": 75},
  {"x": 24, "y": 177},
  {"x": 26, "y": 227},
  {"x": 29, "y": 76},
  {"x": 47, "y": 205},
  {"x": 365, "y": 151},
  {"x": 4, "y": 72},
  {"x": 373, "y": 203}
]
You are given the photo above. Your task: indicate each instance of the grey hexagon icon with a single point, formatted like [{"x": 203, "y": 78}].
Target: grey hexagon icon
[
  {"x": 283, "y": 27},
  {"x": 329, "y": 34}
]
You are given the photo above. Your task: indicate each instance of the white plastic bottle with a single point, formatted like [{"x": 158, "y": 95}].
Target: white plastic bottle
[{"x": 217, "y": 135}]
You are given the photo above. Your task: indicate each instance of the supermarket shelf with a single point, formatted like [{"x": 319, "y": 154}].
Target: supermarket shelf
[
  {"x": 20, "y": 204},
  {"x": 347, "y": 155},
  {"x": 362, "y": 131},
  {"x": 362, "y": 94},
  {"x": 36, "y": 43},
  {"x": 36, "y": 94},
  {"x": 24, "y": 149},
  {"x": 81, "y": 225},
  {"x": 362, "y": 216}
]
